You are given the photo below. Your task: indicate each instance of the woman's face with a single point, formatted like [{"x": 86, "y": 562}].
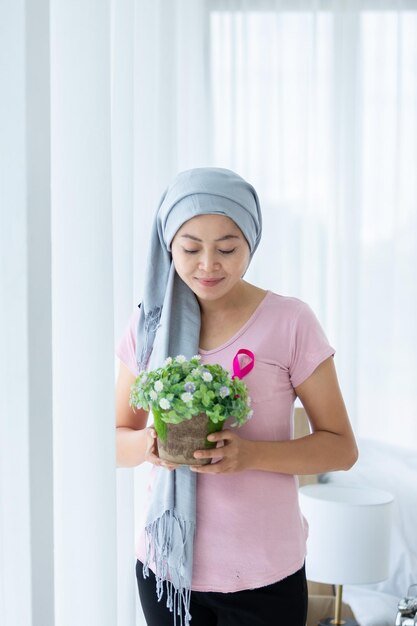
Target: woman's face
[{"x": 211, "y": 255}]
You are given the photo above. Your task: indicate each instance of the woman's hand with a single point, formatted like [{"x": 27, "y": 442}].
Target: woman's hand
[
  {"x": 151, "y": 454},
  {"x": 233, "y": 456}
]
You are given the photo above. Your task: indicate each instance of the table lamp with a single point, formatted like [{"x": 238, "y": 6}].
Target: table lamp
[{"x": 349, "y": 537}]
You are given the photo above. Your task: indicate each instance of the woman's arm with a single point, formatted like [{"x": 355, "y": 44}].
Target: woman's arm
[
  {"x": 331, "y": 446},
  {"x": 131, "y": 432},
  {"x": 134, "y": 442}
]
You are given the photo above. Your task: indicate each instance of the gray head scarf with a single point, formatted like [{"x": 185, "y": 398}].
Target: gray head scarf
[{"x": 170, "y": 325}]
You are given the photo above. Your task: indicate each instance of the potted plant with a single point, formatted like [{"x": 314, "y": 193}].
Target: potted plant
[{"x": 188, "y": 401}]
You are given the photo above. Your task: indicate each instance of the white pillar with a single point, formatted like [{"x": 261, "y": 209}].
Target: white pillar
[
  {"x": 84, "y": 461},
  {"x": 26, "y": 494}
]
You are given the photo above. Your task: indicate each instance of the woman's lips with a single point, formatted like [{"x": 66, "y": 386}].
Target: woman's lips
[{"x": 209, "y": 282}]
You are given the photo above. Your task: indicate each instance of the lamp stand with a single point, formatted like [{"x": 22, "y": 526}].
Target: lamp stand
[{"x": 337, "y": 620}]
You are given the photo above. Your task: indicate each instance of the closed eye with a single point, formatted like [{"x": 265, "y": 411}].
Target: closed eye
[{"x": 221, "y": 251}]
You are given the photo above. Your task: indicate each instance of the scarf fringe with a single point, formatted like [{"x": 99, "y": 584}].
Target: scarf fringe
[{"x": 158, "y": 543}]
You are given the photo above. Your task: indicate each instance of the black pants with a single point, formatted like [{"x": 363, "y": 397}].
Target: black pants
[{"x": 279, "y": 604}]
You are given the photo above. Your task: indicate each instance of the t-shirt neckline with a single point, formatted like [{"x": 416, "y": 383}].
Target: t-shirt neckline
[{"x": 241, "y": 329}]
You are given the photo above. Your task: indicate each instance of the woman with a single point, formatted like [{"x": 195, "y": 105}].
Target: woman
[{"x": 247, "y": 560}]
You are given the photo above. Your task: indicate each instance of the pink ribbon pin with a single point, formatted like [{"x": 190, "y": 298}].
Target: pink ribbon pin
[{"x": 238, "y": 371}]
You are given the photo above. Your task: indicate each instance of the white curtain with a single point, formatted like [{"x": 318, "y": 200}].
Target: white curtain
[
  {"x": 82, "y": 315},
  {"x": 26, "y": 488},
  {"x": 315, "y": 102},
  {"x": 57, "y": 458},
  {"x": 102, "y": 103}
]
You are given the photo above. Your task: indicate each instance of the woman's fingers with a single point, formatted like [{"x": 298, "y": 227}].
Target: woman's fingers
[
  {"x": 152, "y": 455},
  {"x": 233, "y": 456}
]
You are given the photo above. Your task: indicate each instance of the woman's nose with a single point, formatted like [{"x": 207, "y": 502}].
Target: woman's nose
[{"x": 207, "y": 262}]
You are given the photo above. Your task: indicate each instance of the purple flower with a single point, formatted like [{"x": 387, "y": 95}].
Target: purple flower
[{"x": 189, "y": 387}]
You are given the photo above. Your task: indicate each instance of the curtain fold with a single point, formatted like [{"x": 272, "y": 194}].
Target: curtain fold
[
  {"x": 83, "y": 315},
  {"x": 122, "y": 175},
  {"x": 26, "y": 488}
]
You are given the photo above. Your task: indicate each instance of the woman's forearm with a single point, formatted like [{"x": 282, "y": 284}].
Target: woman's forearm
[
  {"x": 321, "y": 451},
  {"x": 131, "y": 446}
]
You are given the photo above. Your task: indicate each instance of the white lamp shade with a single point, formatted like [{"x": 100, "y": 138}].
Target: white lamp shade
[{"x": 349, "y": 533}]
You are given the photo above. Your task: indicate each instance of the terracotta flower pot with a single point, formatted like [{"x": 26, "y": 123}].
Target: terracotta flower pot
[{"x": 183, "y": 439}]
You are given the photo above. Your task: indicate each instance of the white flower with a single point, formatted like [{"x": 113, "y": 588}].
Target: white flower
[
  {"x": 158, "y": 386},
  {"x": 197, "y": 357},
  {"x": 168, "y": 360},
  {"x": 224, "y": 391},
  {"x": 195, "y": 372},
  {"x": 249, "y": 400},
  {"x": 206, "y": 376},
  {"x": 186, "y": 397},
  {"x": 143, "y": 378},
  {"x": 164, "y": 403},
  {"x": 250, "y": 414},
  {"x": 180, "y": 358},
  {"x": 153, "y": 395}
]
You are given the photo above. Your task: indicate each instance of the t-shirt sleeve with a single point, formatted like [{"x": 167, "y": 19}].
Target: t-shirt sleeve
[
  {"x": 309, "y": 345},
  {"x": 126, "y": 346}
]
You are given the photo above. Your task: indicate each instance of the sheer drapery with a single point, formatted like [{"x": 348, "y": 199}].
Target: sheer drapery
[
  {"x": 315, "y": 102},
  {"x": 26, "y": 487},
  {"x": 82, "y": 315},
  {"x": 57, "y": 457}
]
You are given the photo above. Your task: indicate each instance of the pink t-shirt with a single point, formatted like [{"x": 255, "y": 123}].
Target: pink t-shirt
[{"x": 250, "y": 531}]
